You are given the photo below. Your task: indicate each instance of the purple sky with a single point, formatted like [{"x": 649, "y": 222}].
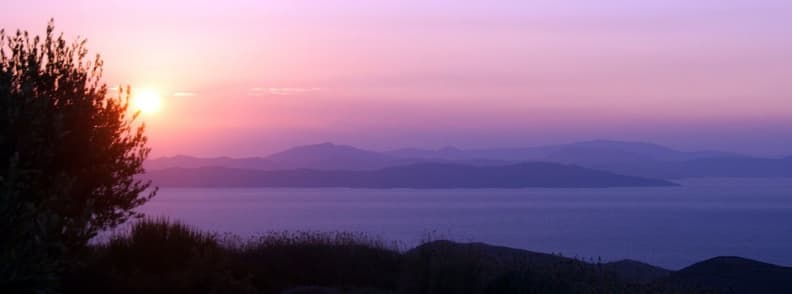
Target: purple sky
[{"x": 247, "y": 78}]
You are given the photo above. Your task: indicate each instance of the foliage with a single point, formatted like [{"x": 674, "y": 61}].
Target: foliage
[
  {"x": 158, "y": 256},
  {"x": 69, "y": 154}
]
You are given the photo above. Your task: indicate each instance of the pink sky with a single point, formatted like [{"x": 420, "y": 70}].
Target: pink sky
[{"x": 246, "y": 78}]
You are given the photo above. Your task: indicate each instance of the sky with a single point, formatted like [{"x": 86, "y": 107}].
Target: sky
[{"x": 247, "y": 78}]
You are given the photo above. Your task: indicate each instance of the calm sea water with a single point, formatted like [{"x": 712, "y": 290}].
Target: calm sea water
[{"x": 670, "y": 227}]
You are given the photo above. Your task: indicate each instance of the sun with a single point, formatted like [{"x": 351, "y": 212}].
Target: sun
[{"x": 146, "y": 101}]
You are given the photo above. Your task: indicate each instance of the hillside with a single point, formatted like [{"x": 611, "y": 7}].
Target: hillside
[
  {"x": 157, "y": 256},
  {"x": 734, "y": 275},
  {"x": 515, "y": 268}
]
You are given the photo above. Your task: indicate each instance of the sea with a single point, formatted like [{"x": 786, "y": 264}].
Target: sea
[{"x": 671, "y": 227}]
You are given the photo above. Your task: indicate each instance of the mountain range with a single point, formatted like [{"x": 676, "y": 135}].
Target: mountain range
[
  {"x": 418, "y": 176},
  {"x": 626, "y": 158}
]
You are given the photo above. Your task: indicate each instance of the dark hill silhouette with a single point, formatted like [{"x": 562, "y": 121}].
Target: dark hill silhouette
[
  {"x": 159, "y": 256},
  {"x": 636, "y": 271},
  {"x": 734, "y": 275},
  {"x": 490, "y": 255},
  {"x": 724, "y": 274},
  {"x": 422, "y": 175},
  {"x": 503, "y": 269}
]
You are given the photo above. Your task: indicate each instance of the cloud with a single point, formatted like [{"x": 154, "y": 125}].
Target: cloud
[
  {"x": 183, "y": 94},
  {"x": 284, "y": 91}
]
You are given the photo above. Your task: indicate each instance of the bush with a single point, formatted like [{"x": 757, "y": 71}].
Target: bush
[
  {"x": 159, "y": 256},
  {"x": 281, "y": 260}
]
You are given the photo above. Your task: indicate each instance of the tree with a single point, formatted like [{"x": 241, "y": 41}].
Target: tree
[{"x": 70, "y": 154}]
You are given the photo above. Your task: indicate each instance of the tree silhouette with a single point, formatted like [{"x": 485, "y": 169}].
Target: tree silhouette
[{"x": 69, "y": 156}]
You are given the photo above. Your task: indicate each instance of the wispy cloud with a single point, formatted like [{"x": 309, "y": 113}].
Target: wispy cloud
[
  {"x": 183, "y": 94},
  {"x": 290, "y": 91},
  {"x": 283, "y": 91}
]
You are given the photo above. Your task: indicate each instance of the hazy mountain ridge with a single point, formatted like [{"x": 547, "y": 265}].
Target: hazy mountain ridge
[
  {"x": 421, "y": 176},
  {"x": 333, "y": 157},
  {"x": 647, "y": 151},
  {"x": 185, "y": 161},
  {"x": 737, "y": 167},
  {"x": 325, "y": 156},
  {"x": 628, "y": 158}
]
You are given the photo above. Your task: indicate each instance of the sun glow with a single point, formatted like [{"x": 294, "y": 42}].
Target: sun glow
[{"x": 146, "y": 101}]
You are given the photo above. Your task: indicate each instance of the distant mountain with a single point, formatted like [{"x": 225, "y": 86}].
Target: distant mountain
[
  {"x": 596, "y": 153},
  {"x": 627, "y": 158},
  {"x": 332, "y": 157},
  {"x": 326, "y": 156},
  {"x": 633, "y": 151},
  {"x": 453, "y": 153},
  {"x": 734, "y": 275},
  {"x": 420, "y": 176},
  {"x": 194, "y": 162},
  {"x": 740, "y": 167},
  {"x": 588, "y": 152}
]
